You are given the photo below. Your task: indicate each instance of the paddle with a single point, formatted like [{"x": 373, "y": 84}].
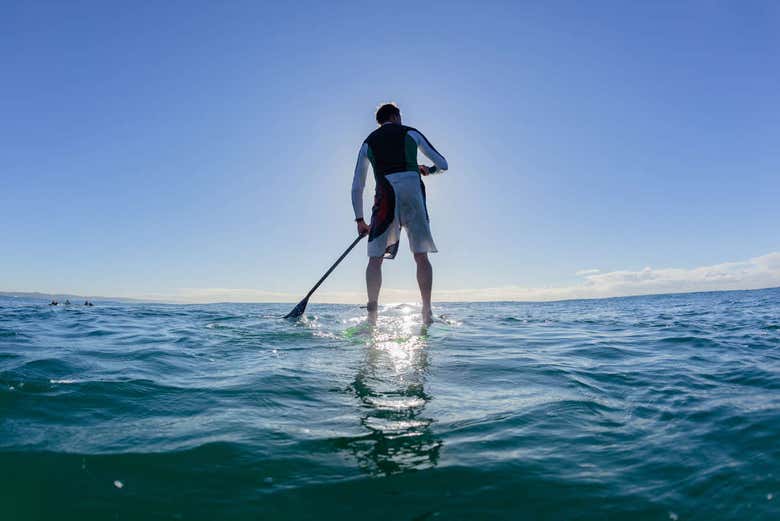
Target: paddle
[{"x": 301, "y": 307}]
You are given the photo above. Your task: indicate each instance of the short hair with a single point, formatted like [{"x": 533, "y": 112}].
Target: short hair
[{"x": 386, "y": 112}]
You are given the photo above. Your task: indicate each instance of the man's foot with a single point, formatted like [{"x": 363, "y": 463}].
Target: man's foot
[{"x": 427, "y": 316}]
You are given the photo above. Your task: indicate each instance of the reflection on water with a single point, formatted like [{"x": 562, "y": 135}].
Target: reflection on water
[{"x": 390, "y": 384}]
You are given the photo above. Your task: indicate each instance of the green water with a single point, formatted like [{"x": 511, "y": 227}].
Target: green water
[{"x": 664, "y": 408}]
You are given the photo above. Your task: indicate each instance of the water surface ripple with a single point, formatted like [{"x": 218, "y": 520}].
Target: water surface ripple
[{"x": 660, "y": 407}]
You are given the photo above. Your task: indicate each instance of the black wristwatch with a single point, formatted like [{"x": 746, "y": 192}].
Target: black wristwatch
[{"x": 359, "y": 219}]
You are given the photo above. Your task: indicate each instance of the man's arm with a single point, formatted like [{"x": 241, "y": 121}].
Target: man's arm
[
  {"x": 428, "y": 151},
  {"x": 358, "y": 184}
]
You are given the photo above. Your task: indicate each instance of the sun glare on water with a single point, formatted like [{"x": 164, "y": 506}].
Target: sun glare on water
[{"x": 390, "y": 385}]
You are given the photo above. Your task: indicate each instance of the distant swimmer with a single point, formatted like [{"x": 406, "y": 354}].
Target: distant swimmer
[
  {"x": 88, "y": 303},
  {"x": 67, "y": 302},
  {"x": 53, "y": 303},
  {"x": 399, "y": 201}
]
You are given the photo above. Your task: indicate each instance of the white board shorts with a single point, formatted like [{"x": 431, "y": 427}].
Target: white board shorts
[{"x": 400, "y": 204}]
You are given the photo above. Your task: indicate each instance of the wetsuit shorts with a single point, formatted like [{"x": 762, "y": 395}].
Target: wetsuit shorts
[{"x": 400, "y": 203}]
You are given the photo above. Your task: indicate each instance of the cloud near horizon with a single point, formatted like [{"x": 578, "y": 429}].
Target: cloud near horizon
[
  {"x": 755, "y": 273},
  {"x": 581, "y": 273}
]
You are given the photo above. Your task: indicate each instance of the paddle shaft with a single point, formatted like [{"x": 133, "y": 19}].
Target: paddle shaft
[{"x": 354, "y": 243}]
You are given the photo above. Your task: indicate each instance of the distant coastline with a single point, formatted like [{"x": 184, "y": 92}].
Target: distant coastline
[{"x": 38, "y": 295}]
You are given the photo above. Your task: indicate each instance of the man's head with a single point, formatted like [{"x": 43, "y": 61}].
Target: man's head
[{"x": 388, "y": 113}]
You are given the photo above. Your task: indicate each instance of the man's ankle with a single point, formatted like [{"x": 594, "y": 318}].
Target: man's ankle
[{"x": 372, "y": 306}]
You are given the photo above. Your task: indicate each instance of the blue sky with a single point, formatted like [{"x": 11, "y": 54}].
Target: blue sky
[{"x": 189, "y": 150}]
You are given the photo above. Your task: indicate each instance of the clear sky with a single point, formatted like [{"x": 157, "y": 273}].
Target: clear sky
[{"x": 205, "y": 151}]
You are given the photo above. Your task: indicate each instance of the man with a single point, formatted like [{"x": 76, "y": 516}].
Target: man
[{"x": 399, "y": 201}]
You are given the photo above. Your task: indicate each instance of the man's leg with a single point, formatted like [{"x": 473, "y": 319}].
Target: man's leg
[
  {"x": 373, "y": 282},
  {"x": 425, "y": 281}
]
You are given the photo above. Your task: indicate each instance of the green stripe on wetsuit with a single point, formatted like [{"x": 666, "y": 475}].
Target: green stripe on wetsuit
[{"x": 410, "y": 153}]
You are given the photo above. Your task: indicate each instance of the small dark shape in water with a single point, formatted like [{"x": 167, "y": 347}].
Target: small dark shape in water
[
  {"x": 53, "y": 303},
  {"x": 67, "y": 302}
]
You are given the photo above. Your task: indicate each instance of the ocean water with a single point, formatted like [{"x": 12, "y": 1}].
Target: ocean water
[{"x": 660, "y": 407}]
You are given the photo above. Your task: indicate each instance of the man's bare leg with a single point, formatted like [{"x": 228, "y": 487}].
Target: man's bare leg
[
  {"x": 425, "y": 281},
  {"x": 373, "y": 284}
]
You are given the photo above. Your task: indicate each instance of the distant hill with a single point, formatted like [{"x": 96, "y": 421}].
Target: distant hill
[{"x": 35, "y": 295}]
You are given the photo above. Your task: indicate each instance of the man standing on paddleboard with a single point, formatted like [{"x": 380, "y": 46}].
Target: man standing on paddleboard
[{"x": 399, "y": 201}]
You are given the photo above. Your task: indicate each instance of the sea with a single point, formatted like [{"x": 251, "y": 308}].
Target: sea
[{"x": 640, "y": 408}]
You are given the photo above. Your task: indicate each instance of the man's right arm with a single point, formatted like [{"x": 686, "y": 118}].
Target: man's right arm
[
  {"x": 358, "y": 184},
  {"x": 440, "y": 164}
]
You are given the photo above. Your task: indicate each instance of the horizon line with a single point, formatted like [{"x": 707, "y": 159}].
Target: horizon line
[
  {"x": 22, "y": 294},
  {"x": 762, "y": 272}
]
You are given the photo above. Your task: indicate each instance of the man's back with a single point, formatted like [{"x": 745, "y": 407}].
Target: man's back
[{"x": 393, "y": 147}]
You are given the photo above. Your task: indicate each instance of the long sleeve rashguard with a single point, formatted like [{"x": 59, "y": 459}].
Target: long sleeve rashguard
[{"x": 390, "y": 149}]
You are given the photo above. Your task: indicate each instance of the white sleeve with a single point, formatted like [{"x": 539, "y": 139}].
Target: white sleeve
[
  {"x": 427, "y": 149},
  {"x": 359, "y": 181}
]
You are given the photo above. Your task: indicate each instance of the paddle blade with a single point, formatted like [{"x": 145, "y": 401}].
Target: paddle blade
[{"x": 298, "y": 310}]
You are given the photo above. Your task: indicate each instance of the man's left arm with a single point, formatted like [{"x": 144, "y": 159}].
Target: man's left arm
[{"x": 358, "y": 185}]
